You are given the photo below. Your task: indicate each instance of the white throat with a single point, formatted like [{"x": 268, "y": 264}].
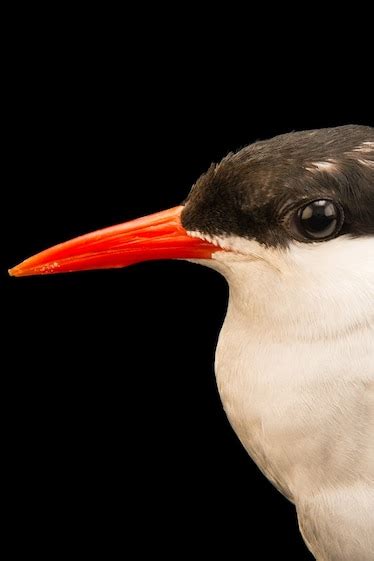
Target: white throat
[{"x": 295, "y": 358}]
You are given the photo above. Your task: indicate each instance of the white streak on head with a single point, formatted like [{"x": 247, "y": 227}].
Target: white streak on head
[
  {"x": 367, "y": 163},
  {"x": 328, "y": 166},
  {"x": 365, "y": 147}
]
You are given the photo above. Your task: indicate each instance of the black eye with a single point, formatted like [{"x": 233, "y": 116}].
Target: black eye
[{"x": 318, "y": 220}]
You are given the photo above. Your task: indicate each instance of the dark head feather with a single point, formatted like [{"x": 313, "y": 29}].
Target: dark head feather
[{"x": 249, "y": 193}]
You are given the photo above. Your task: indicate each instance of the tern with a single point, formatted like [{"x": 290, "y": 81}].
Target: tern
[{"x": 289, "y": 222}]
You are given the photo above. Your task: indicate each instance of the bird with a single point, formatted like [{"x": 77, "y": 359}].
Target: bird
[{"x": 289, "y": 223}]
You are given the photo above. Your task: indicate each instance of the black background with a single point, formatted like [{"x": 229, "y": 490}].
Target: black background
[{"x": 113, "y": 429}]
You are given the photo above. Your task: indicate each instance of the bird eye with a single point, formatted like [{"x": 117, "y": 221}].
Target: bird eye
[{"x": 318, "y": 220}]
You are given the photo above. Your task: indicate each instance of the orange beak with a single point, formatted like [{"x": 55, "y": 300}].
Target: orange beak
[{"x": 157, "y": 236}]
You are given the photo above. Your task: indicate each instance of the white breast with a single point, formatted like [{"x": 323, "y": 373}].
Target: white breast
[
  {"x": 295, "y": 371},
  {"x": 303, "y": 410}
]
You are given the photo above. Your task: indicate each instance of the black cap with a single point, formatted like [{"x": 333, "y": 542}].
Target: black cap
[{"x": 251, "y": 193}]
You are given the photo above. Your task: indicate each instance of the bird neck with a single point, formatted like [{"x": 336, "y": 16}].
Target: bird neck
[
  {"x": 295, "y": 360},
  {"x": 307, "y": 294}
]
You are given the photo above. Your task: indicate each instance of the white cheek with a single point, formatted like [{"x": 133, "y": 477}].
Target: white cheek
[{"x": 317, "y": 289}]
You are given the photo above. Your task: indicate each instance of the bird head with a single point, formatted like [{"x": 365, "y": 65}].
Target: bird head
[{"x": 288, "y": 221}]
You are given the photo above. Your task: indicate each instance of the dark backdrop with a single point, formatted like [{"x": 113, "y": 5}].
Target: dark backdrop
[{"x": 113, "y": 428}]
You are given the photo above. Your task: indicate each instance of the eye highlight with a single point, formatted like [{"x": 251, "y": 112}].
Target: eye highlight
[{"x": 317, "y": 220}]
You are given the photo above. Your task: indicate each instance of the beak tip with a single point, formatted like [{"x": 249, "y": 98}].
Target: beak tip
[
  {"x": 26, "y": 270},
  {"x": 15, "y": 271},
  {"x": 20, "y": 270}
]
